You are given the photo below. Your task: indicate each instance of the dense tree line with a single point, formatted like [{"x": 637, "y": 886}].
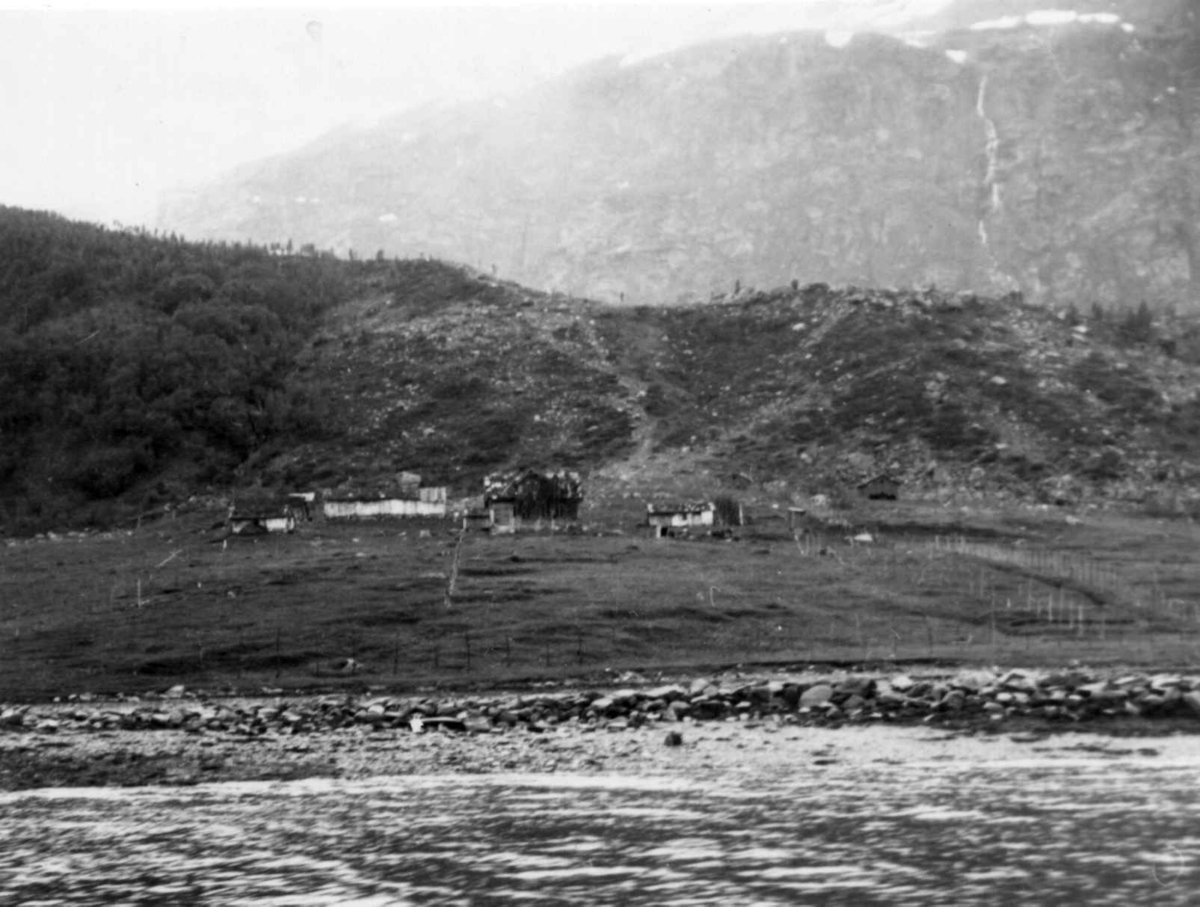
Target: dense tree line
[{"x": 130, "y": 360}]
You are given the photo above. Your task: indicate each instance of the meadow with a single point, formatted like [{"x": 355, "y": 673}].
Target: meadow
[{"x": 418, "y": 604}]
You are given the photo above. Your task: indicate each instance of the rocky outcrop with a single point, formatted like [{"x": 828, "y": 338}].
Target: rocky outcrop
[{"x": 986, "y": 696}]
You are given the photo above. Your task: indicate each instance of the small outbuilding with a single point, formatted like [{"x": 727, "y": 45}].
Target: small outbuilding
[
  {"x": 880, "y": 488},
  {"x": 260, "y": 524},
  {"x": 669, "y": 519},
  {"x": 259, "y": 512}
]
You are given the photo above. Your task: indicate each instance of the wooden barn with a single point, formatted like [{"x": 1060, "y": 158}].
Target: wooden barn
[{"x": 530, "y": 496}]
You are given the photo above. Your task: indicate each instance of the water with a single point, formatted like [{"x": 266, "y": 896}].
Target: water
[{"x": 1044, "y": 832}]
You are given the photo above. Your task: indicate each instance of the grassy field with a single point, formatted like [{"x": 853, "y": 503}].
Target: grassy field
[{"x": 171, "y": 603}]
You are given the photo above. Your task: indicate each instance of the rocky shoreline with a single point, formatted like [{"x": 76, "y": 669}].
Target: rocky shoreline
[{"x": 185, "y": 737}]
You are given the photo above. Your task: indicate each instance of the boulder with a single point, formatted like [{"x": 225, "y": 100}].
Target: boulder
[
  {"x": 816, "y": 695},
  {"x": 954, "y": 700},
  {"x": 1021, "y": 681},
  {"x": 676, "y": 710},
  {"x": 973, "y": 680},
  {"x": 901, "y": 683},
  {"x": 852, "y": 704},
  {"x": 1191, "y": 699},
  {"x": 863, "y": 687}
]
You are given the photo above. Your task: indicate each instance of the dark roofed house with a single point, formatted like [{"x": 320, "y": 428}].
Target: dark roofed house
[
  {"x": 880, "y": 488},
  {"x": 259, "y": 512},
  {"x": 528, "y": 496}
]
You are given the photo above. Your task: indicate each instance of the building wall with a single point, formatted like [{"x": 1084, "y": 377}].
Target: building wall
[
  {"x": 387, "y": 507},
  {"x": 682, "y": 520},
  {"x": 252, "y": 525},
  {"x": 503, "y": 517}
]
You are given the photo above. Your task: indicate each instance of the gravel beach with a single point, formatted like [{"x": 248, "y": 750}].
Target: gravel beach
[{"x": 755, "y": 725}]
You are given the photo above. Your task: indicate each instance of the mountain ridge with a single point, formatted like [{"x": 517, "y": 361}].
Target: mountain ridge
[{"x": 1052, "y": 159}]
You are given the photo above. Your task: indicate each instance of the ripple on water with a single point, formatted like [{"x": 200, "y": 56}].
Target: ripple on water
[{"x": 1122, "y": 834}]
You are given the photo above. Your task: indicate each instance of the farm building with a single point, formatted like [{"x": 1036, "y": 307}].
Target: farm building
[
  {"x": 881, "y": 487},
  {"x": 431, "y": 502},
  {"x": 667, "y": 519},
  {"x": 502, "y": 517},
  {"x": 529, "y": 495},
  {"x": 260, "y": 524},
  {"x": 477, "y": 520},
  {"x": 257, "y": 512},
  {"x": 301, "y": 504},
  {"x": 407, "y": 500}
]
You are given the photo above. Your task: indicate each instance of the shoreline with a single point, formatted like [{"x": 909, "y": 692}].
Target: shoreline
[
  {"x": 730, "y": 750},
  {"x": 743, "y": 723}
]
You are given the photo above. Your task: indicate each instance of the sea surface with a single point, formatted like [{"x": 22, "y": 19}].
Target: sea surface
[{"x": 1040, "y": 831}]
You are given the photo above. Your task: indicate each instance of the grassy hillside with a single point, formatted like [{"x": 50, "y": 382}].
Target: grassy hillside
[
  {"x": 437, "y": 369},
  {"x": 168, "y": 603},
  {"x": 823, "y": 388},
  {"x": 778, "y": 395}
]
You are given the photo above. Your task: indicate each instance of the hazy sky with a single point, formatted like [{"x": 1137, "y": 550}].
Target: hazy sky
[{"x": 103, "y": 109}]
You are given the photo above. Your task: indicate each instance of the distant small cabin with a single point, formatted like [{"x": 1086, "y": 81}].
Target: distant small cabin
[
  {"x": 260, "y": 524},
  {"x": 258, "y": 512},
  {"x": 300, "y": 504},
  {"x": 502, "y": 516},
  {"x": 666, "y": 519},
  {"x": 880, "y": 488},
  {"x": 477, "y": 520}
]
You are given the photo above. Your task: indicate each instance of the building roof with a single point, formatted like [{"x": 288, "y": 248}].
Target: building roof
[
  {"x": 689, "y": 507},
  {"x": 879, "y": 478}
]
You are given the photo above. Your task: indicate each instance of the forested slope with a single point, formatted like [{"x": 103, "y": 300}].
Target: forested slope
[{"x": 139, "y": 363}]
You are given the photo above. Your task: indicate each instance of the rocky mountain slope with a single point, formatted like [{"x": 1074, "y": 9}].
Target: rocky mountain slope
[
  {"x": 780, "y": 394},
  {"x": 1052, "y": 155}
]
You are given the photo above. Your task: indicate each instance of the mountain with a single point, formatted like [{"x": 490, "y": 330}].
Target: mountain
[{"x": 1055, "y": 155}]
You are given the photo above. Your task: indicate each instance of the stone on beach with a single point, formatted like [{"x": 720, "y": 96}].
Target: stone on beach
[{"x": 816, "y": 695}]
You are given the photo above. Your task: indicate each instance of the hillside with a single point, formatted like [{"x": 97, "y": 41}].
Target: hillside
[
  {"x": 138, "y": 372},
  {"x": 778, "y": 395},
  {"x": 1050, "y": 156}
]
